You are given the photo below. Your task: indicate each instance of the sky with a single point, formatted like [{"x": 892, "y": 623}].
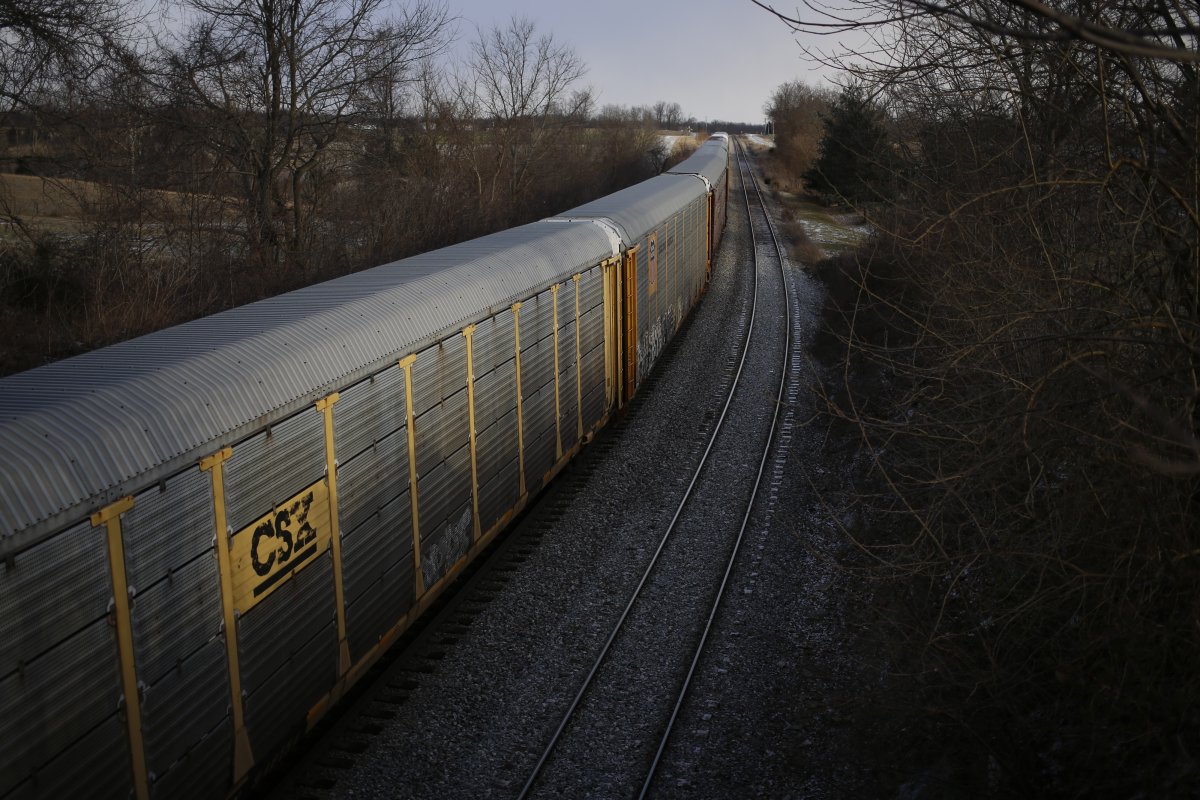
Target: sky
[{"x": 719, "y": 59}]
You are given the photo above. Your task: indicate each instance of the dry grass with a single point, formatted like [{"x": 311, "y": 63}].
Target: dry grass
[{"x": 66, "y": 205}]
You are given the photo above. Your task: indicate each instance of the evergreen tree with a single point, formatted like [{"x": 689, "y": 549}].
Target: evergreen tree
[{"x": 856, "y": 160}]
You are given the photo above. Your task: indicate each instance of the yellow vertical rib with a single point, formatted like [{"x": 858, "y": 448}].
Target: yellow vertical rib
[
  {"x": 516, "y": 309},
  {"x": 608, "y": 340},
  {"x": 578, "y": 375},
  {"x": 325, "y": 406},
  {"x": 708, "y": 238},
  {"x": 406, "y": 364},
  {"x": 110, "y": 518},
  {"x": 469, "y": 334},
  {"x": 558, "y": 450},
  {"x": 243, "y": 756}
]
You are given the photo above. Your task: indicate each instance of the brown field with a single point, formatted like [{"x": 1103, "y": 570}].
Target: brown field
[
  {"x": 53, "y": 204},
  {"x": 64, "y": 205}
]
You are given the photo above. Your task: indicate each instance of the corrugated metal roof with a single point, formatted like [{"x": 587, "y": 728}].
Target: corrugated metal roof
[
  {"x": 709, "y": 160},
  {"x": 92, "y": 428},
  {"x": 642, "y": 207}
]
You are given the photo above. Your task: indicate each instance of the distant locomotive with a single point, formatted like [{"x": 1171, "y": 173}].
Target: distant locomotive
[{"x": 209, "y": 533}]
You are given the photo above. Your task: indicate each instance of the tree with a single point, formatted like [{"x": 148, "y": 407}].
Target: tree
[
  {"x": 795, "y": 110},
  {"x": 44, "y": 41},
  {"x": 855, "y": 162},
  {"x": 1033, "y": 296},
  {"x": 660, "y": 113},
  {"x": 267, "y": 87},
  {"x": 519, "y": 86}
]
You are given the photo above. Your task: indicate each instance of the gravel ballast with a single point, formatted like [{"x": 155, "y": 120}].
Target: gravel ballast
[{"x": 479, "y": 695}]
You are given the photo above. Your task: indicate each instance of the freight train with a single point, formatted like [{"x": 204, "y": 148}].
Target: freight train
[{"x": 209, "y": 533}]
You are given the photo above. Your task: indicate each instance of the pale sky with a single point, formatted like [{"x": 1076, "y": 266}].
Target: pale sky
[{"x": 719, "y": 59}]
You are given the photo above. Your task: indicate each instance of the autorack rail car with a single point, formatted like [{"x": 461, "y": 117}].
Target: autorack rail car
[{"x": 209, "y": 533}]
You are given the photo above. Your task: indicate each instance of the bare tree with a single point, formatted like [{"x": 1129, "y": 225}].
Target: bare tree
[
  {"x": 673, "y": 115},
  {"x": 1034, "y": 294},
  {"x": 520, "y": 88},
  {"x": 276, "y": 85},
  {"x": 44, "y": 41},
  {"x": 660, "y": 113},
  {"x": 795, "y": 110}
]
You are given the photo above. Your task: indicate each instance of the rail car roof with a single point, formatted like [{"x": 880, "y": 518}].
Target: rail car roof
[
  {"x": 92, "y": 428},
  {"x": 642, "y": 207},
  {"x": 710, "y": 159}
]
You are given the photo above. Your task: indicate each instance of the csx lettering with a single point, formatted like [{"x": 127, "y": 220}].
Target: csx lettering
[{"x": 278, "y": 538}]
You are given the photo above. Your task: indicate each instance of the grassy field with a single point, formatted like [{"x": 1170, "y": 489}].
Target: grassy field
[
  {"x": 48, "y": 204},
  {"x": 828, "y": 229}
]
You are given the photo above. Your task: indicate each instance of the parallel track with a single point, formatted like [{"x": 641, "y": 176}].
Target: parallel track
[{"x": 759, "y": 219}]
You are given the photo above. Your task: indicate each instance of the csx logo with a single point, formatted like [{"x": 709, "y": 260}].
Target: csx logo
[
  {"x": 288, "y": 534},
  {"x": 279, "y": 544}
]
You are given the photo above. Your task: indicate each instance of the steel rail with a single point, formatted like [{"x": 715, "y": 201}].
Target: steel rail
[
  {"x": 570, "y": 712},
  {"x": 600, "y": 658},
  {"x": 762, "y": 465}
]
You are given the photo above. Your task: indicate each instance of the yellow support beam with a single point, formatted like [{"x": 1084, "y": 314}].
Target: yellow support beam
[
  {"x": 110, "y": 518},
  {"x": 516, "y": 309},
  {"x": 325, "y": 407},
  {"x": 558, "y": 448},
  {"x": 406, "y": 364},
  {"x": 469, "y": 334},
  {"x": 611, "y": 345},
  {"x": 243, "y": 756},
  {"x": 578, "y": 376}
]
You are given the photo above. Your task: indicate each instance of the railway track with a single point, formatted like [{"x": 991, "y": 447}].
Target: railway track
[
  {"x": 627, "y": 647},
  {"x": 618, "y": 720}
]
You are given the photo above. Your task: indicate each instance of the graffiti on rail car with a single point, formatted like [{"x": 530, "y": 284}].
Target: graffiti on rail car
[
  {"x": 279, "y": 544},
  {"x": 652, "y": 261}
]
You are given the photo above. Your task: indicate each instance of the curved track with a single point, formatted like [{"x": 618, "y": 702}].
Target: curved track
[
  {"x": 467, "y": 707},
  {"x": 723, "y": 450}
]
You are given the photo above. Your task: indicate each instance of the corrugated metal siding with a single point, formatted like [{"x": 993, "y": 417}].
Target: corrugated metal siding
[
  {"x": 368, "y": 411},
  {"x": 80, "y": 431},
  {"x": 185, "y": 708},
  {"x": 641, "y": 208},
  {"x": 288, "y": 648},
  {"x": 709, "y": 160},
  {"x": 378, "y": 575},
  {"x": 58, "y": 673},
  {"x": 371, "y": 480},
  {"x": 496, "y": 418},
  {"x": 175, "y": 618},
  {"x": 567, "y": 401},
  {"x": 203, "y": 772},
  {"x": 51, "y": 592},
  {"x": 63, "y": 695},
  {"x": 271, "y": 467},
  {"x": 95, "y": 766},
  {"x": 380, "y": 605}
]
